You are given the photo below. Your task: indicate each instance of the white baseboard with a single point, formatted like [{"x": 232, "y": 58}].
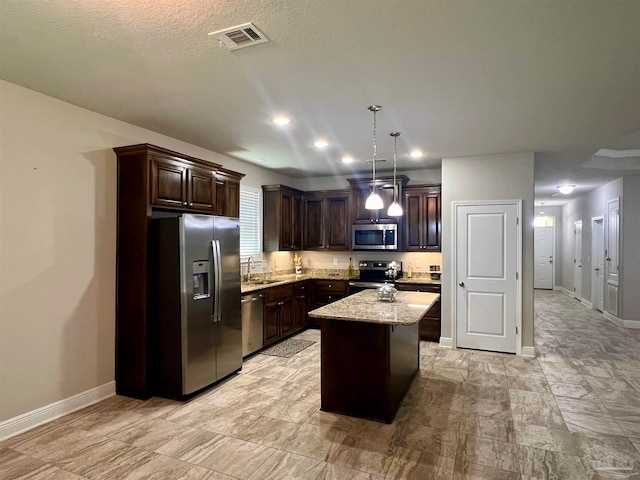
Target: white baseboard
[
  {"x": 528, "y": 352},
  {"x": 635, "y": 324},
  {"x": 586, "y": 303},
  {"x": 34, "y": 418},
  {"x": 446, "y": 342},
  {"x": 565, "y": 291}
]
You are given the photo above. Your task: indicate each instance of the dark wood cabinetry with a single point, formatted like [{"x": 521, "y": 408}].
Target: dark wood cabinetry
[
  {"x": 278, "y": 313},
  {"x": 282, "y": 218},
  {"x": 300, "y": 305},
  {"x": 149, "y": 178},
  {"x": 327, "y": 291},
  {"x": 178, "y": 184},
  {"x": 422, "y": 212},
  {"x": 227, "y": 193},
  {"x": 430, "y": 323},
  {"x": 326, "y": 220},
  {"x": 360, "y": 191}
]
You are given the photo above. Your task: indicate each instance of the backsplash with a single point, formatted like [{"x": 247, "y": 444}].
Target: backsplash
[{"x": 315, "y": 260}]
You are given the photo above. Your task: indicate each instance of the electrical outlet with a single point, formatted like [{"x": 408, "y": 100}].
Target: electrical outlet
[
  {"x": 418, "y": 264},
  {"x": 335, "y": 261}
]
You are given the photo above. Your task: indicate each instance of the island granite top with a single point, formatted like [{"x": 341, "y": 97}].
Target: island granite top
[{"x": 363, "y": 306}]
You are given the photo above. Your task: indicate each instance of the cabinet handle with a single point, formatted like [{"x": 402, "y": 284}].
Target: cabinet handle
[
  {"x": 330, "y": 297},
  {"x": 191, "y": 204},
  {"x": 280, "y": 303},
  {"x": 185, "y": 203}
]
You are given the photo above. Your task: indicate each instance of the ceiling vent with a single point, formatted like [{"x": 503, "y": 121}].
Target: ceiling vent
[{"x": 241, "y": 36}]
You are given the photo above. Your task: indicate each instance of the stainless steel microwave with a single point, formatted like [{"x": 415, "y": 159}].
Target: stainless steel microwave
[{"x": 374, "y": 237}]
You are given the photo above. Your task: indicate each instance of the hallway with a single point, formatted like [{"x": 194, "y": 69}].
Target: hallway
[{"x": 571, "y": 413}]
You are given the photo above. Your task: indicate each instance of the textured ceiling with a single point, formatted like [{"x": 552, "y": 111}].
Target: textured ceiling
[{"x": 560, "y": 78}]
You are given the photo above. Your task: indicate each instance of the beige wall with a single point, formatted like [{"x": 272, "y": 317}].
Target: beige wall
[
  {"x": 57, "y": 244},
  {"x": 489, "y": 177}
]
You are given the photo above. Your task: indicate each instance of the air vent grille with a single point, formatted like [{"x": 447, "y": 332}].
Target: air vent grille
[{"x": 240, "y": 36}]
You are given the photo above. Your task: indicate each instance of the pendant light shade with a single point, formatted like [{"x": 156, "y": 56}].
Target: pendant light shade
[
  {"x": 395, "y": 209},
  {"x": 374, "y": 201}
]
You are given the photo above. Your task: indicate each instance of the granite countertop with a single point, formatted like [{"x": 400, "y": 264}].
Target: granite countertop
[
  {"x": 363, "y": 306},
  {"x": 291, "y": 278},
  {"x": 418, "y": 280}
]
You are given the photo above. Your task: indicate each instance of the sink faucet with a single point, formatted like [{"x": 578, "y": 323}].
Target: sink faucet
[{"x": 249, "y": 269}]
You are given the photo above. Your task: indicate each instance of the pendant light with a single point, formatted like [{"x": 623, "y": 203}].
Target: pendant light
[
  {"x": 395, "y": 209},
  {"x": 374, "y": 201}
]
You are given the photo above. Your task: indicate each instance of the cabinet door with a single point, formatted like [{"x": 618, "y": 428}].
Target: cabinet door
[
  {"x": 286, "y": 209},
  {"x": 286, "y": 317},
  {"x": 413, "y": 222},
  {"x": 336, "y": 223},
  {"x": 359, "y": 197},
  {"x": 313, "y": 233},
  {"x": 201, "y": 189},
  {"x": 386, "y": 193},
  {"x": 168, "y": 183},
  {"x": 233, "y": 200},
  {"x": 221, "y": 198},
  {"x": 432, "y": 228},
  {"x": 296, "y": 223},
  {"x": 271, "y": 323}
]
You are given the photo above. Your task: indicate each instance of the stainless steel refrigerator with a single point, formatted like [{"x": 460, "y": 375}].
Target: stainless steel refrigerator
[{"x": 195, "y": 324}]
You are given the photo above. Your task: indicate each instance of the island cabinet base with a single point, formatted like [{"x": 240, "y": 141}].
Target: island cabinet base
[{"x": 367, "y": 368}]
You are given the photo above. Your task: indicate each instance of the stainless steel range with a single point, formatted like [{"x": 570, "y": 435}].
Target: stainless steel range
[{"x": 375, "y": 273}]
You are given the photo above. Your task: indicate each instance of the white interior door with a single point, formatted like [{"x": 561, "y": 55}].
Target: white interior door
[
  {"x": 577, "y": 259},
  {"x": 486, "y": 259},
  {"x": 597, "y": 262},
  {"x": 612, "y": 259},
  {"x": 543, "y": 252}
]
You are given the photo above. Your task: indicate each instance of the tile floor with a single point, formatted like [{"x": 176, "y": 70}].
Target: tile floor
[{"x": 469, "y": 414}]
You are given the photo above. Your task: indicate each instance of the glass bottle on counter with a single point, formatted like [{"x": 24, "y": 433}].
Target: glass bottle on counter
[
  {"x": 409, "y": 272},
  {"x": 351, "y": 271}
]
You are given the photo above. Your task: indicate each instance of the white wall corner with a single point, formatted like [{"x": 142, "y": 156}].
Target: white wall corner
[
  {"x": 42, "y": 415},
  {"x": 586, "y": 303},
  {"x": 528, "y": 352},
  {"x": 446, "y": 342}
]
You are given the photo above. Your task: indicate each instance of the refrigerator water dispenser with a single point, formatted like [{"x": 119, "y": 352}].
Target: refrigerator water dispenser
[{"x": 200, "y": 279}]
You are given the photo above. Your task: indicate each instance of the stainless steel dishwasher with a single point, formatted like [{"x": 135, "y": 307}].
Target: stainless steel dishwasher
[{"x": 252, "y": 322}]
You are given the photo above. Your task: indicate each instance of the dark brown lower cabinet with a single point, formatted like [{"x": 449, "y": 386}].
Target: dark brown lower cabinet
[
  {"x": 300, "y": 305},
  {"x": 278, "y": 313},
  {"x": 324, "y": 292},
  {"x": 430, "y": 323}
]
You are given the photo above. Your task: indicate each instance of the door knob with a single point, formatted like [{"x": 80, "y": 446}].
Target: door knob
[{"x": 461, "y": 284}]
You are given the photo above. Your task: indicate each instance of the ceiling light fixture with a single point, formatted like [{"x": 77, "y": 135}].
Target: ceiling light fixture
[
  {"x": 347, "y": 159},
  {"x": 395, "y": 209},
  {"x": 281, "y": 120},
  {"x": 566, "y": 189},
  {"x": 321, "y": 143},
  {"x": 374, "y": 201},
  {"x": 416, "y": 153}
]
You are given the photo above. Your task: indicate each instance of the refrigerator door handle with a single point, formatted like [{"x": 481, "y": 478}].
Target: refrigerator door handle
[{"x": 217, "y": 278}]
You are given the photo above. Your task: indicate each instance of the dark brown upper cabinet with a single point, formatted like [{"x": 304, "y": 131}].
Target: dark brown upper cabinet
[
  {"x": 422, "y": 217},
  {"x": 282, "y": 218},
  {"x": 360, "y": 191},
  {"x": 227, "y": 193},
  {"x": 181, "y": 185},
  {"x": 326, "y": 220}
]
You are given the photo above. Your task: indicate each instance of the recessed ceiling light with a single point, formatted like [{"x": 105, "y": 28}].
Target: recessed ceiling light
[
  {"x": 321, "y": 143},
  {"x": 347, "y": 159},
  {"x": 566, "y": 189},
  {"x": 281, "y": 120},
  {"x": 416, "y": 153}
]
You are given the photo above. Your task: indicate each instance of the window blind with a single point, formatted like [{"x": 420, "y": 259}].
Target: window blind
[{"x": 250, "y": 224}]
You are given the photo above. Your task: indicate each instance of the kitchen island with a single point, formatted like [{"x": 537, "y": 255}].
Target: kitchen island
[{"x": 370, "y": 352}]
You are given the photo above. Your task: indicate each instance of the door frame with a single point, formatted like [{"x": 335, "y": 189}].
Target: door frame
[
  {"x": 575, "y": 260},
  {"x": 553, "y": 253},
  {"x": 594, "y": 248},
  {"x": 454, "y": 264}
]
